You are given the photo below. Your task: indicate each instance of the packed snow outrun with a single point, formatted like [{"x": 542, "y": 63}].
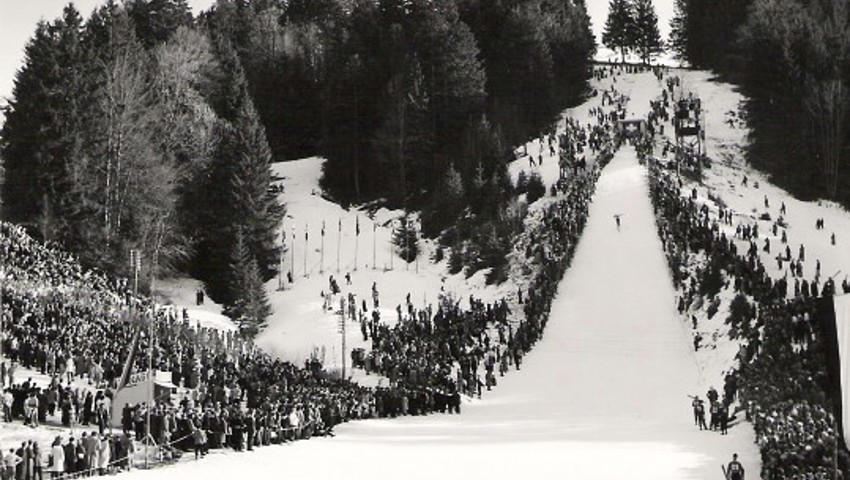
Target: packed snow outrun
[{"x": 604, "y": 395}]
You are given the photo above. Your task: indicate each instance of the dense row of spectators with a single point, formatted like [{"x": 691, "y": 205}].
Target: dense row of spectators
[
  {"x": 89, "y": 454},
  {"x": 76, "y": 327},
  {"x": 781, "y": 373},
  {"x": 239, "y": 396},
  {"x": 446, "y": 351}
]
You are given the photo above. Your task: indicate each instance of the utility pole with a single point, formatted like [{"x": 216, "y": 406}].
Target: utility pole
[
  {"x": 342, "y": 333},
  {"x": 322, "y": 254},
  {"x": 136, "y": 265},
  {"x": 282, "y": 252},
  {"x": 148, "y": 437},
  {"x": 159, "y": 238},
  {"x": 356, "y": 241}
]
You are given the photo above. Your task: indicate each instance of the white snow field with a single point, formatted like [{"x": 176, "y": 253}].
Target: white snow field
[{"x": 602, "y": 396}]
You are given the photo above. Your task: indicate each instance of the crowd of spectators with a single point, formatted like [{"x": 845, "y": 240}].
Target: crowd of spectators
[
  {"x": 75, "y": 327},
  {"x": 781, "y": 379},
  {"x": 435, "y": 354}
]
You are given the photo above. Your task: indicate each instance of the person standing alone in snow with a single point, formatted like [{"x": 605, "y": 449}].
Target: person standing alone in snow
[
  {"x": 734, "y": 471},
  {"x": 617, "y": 219}
]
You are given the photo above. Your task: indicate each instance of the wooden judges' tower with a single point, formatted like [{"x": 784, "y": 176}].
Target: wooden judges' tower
[{"x": 689, "y": 126}]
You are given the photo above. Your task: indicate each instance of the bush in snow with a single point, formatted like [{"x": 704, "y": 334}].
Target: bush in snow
[
  {"x": 406, "y": 239},
  {"x": 711, "y": 281},
  {"x": 740, "y": 314},
  {"x": 535, "y": 188}
]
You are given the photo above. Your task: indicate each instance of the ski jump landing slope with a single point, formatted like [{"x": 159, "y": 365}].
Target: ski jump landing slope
[{"x": 602, "y": 396}]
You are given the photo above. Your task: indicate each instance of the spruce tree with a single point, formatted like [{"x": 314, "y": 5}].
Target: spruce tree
[
  {"x": 647, "y": 40},
  {"x": 404, "y": 140},
  {"x": 249, "y": 305},
  {"x": 453, "y": 72},
  {"x": 446, "y": 205},
  {"x": 254, "y": 201},
  {"x": 28, "y": 129},
  {"x": 678, "y": 29},
  {"x": 619, "y": 27},
  {"x": 156, "y": 21},
  {"x": 406, "y": 239},
  {"x": 239, "y": 190}
]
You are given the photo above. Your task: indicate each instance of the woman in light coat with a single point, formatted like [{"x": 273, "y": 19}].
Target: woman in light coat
[
  {"x": 104, "y": 451},
  {"x": 57, "y": 466}
]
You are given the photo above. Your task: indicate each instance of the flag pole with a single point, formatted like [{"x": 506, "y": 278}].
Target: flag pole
[{"x": 306, "y": 237}]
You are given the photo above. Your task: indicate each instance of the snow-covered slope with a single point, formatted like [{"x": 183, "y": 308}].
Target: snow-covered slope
[
  {"x": 603, "y": 395},
  {"x": 299, "y": 326}
]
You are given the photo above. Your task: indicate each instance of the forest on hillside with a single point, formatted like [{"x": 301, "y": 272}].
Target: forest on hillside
[
  {"x": 143, "y": 127},
  {"x": 792, "y": 59}
]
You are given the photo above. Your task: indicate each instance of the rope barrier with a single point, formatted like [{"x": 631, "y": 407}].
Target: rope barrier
[{"x": 130, "y": 460}]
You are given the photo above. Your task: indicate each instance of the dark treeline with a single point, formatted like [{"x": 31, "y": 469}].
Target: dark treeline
[
  {"x": 141, "y": 127},
  {"x": 394, "y": 92},
  {"x": 414, "y": 103},
  {"x": 791, "y": 57}
]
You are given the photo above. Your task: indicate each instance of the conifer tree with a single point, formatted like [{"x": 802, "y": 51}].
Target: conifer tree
[
  {"x": 240, "y": 187},
  {"x": 619, "y": 33},
  {"x": 446, "y": 204},
  {"x": 254, "y": 201},
  {"x": 41, "y": 143},
  {"x": 406, "y": 239},
  {"x": 156, "y": 21},
  {"x": 249, "y": 305},
  {"x": 27, "y": 129},
  {"x": 405, "y": 138},
  {"x": 647, "y": 37},
  {"x": 678, "y": 29}
]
